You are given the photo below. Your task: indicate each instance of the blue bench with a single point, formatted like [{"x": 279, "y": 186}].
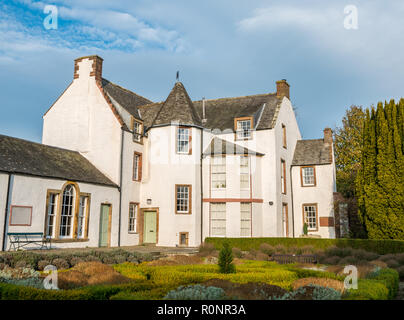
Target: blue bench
[{"x": 19, "y": 240}]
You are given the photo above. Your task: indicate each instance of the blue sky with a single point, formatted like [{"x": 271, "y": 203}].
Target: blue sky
[{"x": 222, "y": 48}]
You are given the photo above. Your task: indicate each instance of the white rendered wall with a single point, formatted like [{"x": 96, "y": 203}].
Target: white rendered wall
[
  {"x": 32, "y": 192},
  {"x": 322, "y": 194},
  {"x": 163, "y": 170},
  {"x": 81, "y": 120}
]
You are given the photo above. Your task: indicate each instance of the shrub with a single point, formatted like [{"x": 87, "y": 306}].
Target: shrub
[
  {"x": 196, "y": 292},
  {"x": 267, "y": 249},
  {"x": 325, "y": 293},
  {"x": 311, "y": 292},
  {"x": 237, "y": 253},
  {"x": 332, "y": 260},
  {"x": 400, "y": 258},
  {"x": 76, "y": 260},
  {"x": 60, "y": 263},
  {"x": 349, "y": 260},
  {"x": 280, "y": 249},
  {"x": 42, "y": 264},
  {"x": 362, "y": 254},
  {"x": 390, "y": 278},
  {"x": 92, "y": 258},
  {"x": 400, "y": 271},
  {"x": 392, "y": 263},
  {"x": 323, "y": 282},
  {"x": 206, "y": 248},
  {"x": 120, "y": 258},
  {"x": 387, "y": 257},
  {"x": 305, "y": 229},
  {"x": 262, "y": 256},
  {"x": 368, "y": 289},
  {"x": 226, "y": 260}
]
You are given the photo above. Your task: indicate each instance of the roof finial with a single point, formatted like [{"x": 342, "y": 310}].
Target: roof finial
[{"x": 178, "y": 76}]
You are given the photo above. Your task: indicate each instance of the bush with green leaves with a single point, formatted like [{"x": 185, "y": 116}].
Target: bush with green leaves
[
  {"x": 21, "y": 276},
  {"x": 389, "y": 277},
  {"x": 325, "y": 293},
  {"x": 226, "y": 259},
  {"x": 196, "y": 292},
  {"x": 317, "y": 293}
]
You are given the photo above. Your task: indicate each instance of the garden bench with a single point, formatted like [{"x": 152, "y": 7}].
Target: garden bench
[
  {"x": 291, "y": 258},
  {"x": 19, "y": 240}
]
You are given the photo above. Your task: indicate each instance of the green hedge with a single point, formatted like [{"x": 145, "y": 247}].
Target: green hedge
[
  {"x": 104, "y": 292},
  {"x": 378, "y": 246},
  {"x": 382, "y": 285}
]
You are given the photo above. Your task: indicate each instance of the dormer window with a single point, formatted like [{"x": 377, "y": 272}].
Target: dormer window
[
  {"x": 243, "y": 127},
  {"x": 137, "y": 127}
]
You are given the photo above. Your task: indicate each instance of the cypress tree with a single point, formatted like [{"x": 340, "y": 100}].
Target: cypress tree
[{"x": 380, "y": 183}]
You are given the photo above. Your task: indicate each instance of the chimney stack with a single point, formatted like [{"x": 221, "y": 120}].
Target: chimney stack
[
  {"x": 95, "y": 66},
  {"x": 203, "y": 110},
  {"x": 328, "y": 139},
  {"x": 282, "y": 89}
]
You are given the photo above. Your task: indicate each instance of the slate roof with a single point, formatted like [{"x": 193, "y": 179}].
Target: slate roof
[
  {"x": 311, "y": 152},
  {"x": 220, "y": 113},
  {"x": 129, "y": 100},
  {"x": 26, "y": 157},
  {"x": 219, "y": 146},
  {"x": 178, "y": 107}
]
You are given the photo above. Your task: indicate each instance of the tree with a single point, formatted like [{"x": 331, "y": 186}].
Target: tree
[
  {"x": 348, "y": 153},
  {"x": 380, "y": 181},
  {"x": 226, "y": 259}
]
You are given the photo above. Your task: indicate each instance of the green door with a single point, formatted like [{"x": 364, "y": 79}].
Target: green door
[
  {"x": 104, "y": 223},
  {"x": 150, "y": 227}
]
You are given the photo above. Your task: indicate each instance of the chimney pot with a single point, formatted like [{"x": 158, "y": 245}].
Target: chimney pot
[{"x": 282, "y": 89}]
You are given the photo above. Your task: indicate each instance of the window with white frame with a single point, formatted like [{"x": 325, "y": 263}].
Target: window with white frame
[
  {"x": 218, "y": 172},
  {"x": 183, "y": 139},
  {"x": 133, "y": 212},
  {"x": 51, "y": 215},
  {"x": 243, "y": 128},
  {"x": 81, "y": 221},
  {"x": 66, "y": 216},
  {"x": 244, "y": 172},
  {"x": 183, "y": 198},
  {"x": 308, "y": 176},
  {"x": 310, "y": 216},
  {"x": 137, "y": 131},
  {"x": 137, "y": 166},
  {"x": 218, "y": 219},
  {"x": 283, "y": 176},
  {"x": 245, "y": 211}
]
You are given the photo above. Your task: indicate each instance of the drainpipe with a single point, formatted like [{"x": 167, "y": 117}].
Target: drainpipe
[
  {"x": 201, "y": 171},
  {"x": 120, "y": 188},
  {"x": 7, "y": 209},
  {"x": 293, "y": 207}
]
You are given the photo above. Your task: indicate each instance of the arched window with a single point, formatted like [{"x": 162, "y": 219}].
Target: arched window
[{"x": 67, "y": 212}]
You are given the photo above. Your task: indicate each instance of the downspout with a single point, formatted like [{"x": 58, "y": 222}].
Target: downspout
[
  {"x": 6, "y": 211},
  {"x": 201, "y": 177},
  {"x": 293, "y": 207},
  {"x": 120, "y": 188}
]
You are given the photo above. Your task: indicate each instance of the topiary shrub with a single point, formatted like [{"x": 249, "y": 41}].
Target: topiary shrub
[
  {"x": 333, "y": 260},
  {"x": 400, "y": 271},
  {"x": 120, "y": 258},
  {"x": 92, "y": 258},
  {"x": 389, "y": 277},
  {"x": 196, "y": 292},
  {"x": 349, "y": 260},
  {"x": 226, "y": 259},
  {"x": 361, "y": 254},
  {"x": 206, "y": 249},
  {"x": 76, "y": 260},
  {"x": 325, "y": 293},
  {"x": 60, "y": 263}
]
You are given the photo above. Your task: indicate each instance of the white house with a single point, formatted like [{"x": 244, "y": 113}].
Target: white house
[{"x": 168, "y": 173}]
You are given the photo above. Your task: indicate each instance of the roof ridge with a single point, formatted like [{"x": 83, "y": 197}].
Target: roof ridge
[
  {"x": 127, "y": 90},
  {"x": 41, "y": 144},
  {"x": 231, "y": 98}
]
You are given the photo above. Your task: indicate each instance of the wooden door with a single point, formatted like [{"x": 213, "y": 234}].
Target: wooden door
[
  {"x": 150, "y": 227},
  {"x": 105, "y": 219}
]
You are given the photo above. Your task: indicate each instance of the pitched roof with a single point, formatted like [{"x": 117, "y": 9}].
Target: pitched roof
[
  {"x": 26, "y": 157},
  {"x": 309, "y": 152},
  {"x": 178, "y": 107},
  {"x": 220, "y": 113},
  {"x": 219, "y": 146},
  {"x": 129, "y": 100}
]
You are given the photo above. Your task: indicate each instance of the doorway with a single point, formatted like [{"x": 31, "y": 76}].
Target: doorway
[
  {"x": 150, "y": 226},
  {"x": 105, "y": 225}
]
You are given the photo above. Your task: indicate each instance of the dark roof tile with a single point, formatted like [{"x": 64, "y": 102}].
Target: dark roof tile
[{"x": 311, "y": 152}]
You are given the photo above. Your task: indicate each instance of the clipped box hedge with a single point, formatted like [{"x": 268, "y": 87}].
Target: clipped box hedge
[{"x": 378, "y": 246}]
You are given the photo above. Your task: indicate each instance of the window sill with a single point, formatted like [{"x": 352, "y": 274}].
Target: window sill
[
  {"x": 184, "y": 213},
  {"x": 308, "y": 186},
  {"x": 133, "y": 232}
]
